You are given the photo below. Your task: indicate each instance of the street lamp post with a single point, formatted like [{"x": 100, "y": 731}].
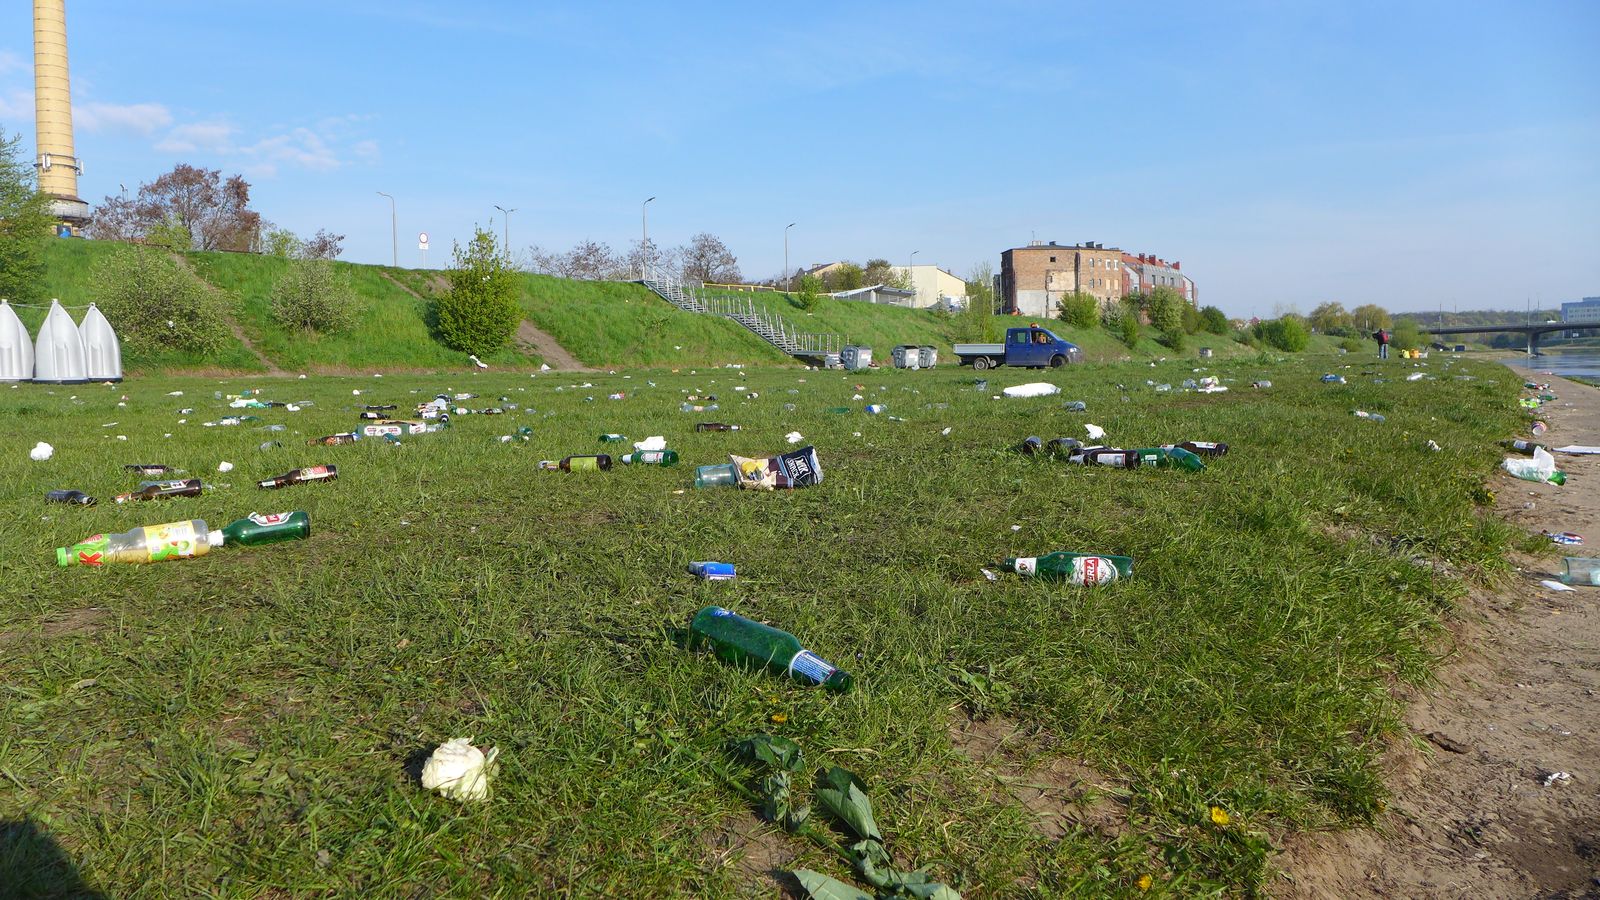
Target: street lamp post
[
  {"x": 644, "y": 238},
  {"x": 506, "y": 238},
  {"x": 910, "y": 278},
  {"x": 394, "y": 230},
  {"x": 787, "y": 281}
]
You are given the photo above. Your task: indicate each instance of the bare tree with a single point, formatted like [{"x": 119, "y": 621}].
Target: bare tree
[
  {"x": 215, "y": 213},
  {"x": 587, "y": 261},
  {"x": 708, "y": 259},
  {"x": 323, "y": 245}
]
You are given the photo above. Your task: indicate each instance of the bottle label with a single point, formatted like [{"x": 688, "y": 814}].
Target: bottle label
[
  {"x": 1027, "y": 565},
  {"x": 649, "y": 456},
  {"x": 175, "y": 540},
  {"x": 314, "y": 472},
  {"x": 810, "y": 666},
  {"x": 1093, "y": 570},
  {"x": 91, "y": 551},
  {"x": 269, "y": 518}
]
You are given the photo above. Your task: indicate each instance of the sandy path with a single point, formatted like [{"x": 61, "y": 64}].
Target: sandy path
[{"x": 1471, "y": 814}]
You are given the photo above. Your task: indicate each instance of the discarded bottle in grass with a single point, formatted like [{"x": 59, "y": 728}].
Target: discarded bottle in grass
[
  {"x": 1076, "y": 406},
  {"x": 981, "y": 385},
  {"x": 379, "y": 408},
  {"x": 1333, "y": 379},
  {"x": 651, "y": 458},
  {"x": 269, "y": 445},
  {"x": 147, "y": 468},
  {"x": 597, "y": 463},
  {"x": 720, "y": 475},
  {"x": 332, "y": 440},
  {"x": 1030, "y": 446},
  {"x": 1522, "y": 446},
  {"x": 1109, "y": 456},
  {"x": 158, "y": 490},
  {"x": 1063, "y": 447},
  {"x": 373, "y": 416},
  {"x": 875, "y": 408},
  {"x": 1173, "y": 458},
  {"x": 154, "y": 543},
  {"x": 394, "y": 426},
  {"x": 1200, "y": 448},
  {"x": 712, "y": 571},
  {"x": 257, "y": 529},
  {"x": 743, "y": 642},
  {"x": 1580, "y": 570},
  {"x": 714, "y": 426},
  {"x": 300, "y": 476},
  {"x": 1371, "y": 417},
  {"x": 612, "y": 438},
  {"x": 695, "y": 407},
  {"x": 1075, "y": 568},
  {"x": 78, "y": 498}
]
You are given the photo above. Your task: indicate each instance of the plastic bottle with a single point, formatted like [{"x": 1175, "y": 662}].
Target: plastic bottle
[
  {"x": 875, "y": 408},
  {"x": 1075, "y": 568},
  {"x": 714, "y": 426},
  {"x": 651, "y": 458},
  {"x": 693, "y": 407},
  {"x": 1030, "y": 446},
  {"x": 76, "y": 497},
  {"x": 712, "y": 571},
  {"x": 743, "y": 642},
  {"x": 598, "y": 462},
  {"x": 720, "y": 475},
  {"x": 162, "y": 489},
  {"x": 332, "y": 440},
  {"x": 270, "y": 445},
  {"x": 153, "y": 543},
  {"x": 1173, "y": 458},
  {"x": 300, "y": 476},
  {"x": 256, "y": 529}
]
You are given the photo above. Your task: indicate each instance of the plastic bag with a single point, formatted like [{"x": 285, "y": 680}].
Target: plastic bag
[{"x": 459, "y": 770}]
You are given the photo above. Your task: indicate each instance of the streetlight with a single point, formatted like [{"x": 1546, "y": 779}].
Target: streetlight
[
  {"x": 507, "y": 233},
  {"x": 787, "y": 281},
  {"x": 910, "y": 278},
  {"x": 644, "y": 239},
  {"x": 394, "y": 230}
]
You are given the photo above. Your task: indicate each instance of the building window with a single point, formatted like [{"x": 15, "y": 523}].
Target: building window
[{"x": 1052, "y": 259}]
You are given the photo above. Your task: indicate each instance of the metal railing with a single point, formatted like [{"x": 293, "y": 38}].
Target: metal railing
[{"x": 765, "y": 324}]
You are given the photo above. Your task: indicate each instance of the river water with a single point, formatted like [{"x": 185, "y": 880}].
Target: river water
[{"x": 1582, "y": 363}]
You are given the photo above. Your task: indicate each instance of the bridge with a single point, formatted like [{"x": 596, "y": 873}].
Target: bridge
[{"x": 1532, "y": 331}]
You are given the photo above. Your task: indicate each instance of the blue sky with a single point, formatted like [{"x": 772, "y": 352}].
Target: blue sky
[{"x": 1413, "y": 155}]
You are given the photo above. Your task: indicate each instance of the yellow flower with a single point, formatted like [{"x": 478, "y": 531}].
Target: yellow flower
[
  {"x": 1219, "y": 816},
  {"x": 1144, "y": 882},
  {"x": 780, "y": 718}
]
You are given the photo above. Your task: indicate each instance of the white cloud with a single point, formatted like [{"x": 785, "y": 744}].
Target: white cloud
[
  {"x": 300, "y": 147},
  {"x": 141, "y": 118},
  {"x": 216, "y": 137}
]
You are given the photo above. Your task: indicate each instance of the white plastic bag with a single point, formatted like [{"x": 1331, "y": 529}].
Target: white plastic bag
[
  {"x": 459, "y": 770},
  {"x": 1032, "y": 389},
  {"x": 653, "y": 442},
  {"x": 41, "y": 452},
  {"x": 1540, "y": 468}
]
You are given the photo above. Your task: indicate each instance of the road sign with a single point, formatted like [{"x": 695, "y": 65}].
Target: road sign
[{"x": 422, "y": 241}]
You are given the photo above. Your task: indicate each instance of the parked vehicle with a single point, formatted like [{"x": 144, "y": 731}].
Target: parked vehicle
[{"x": 1032, "y": 347}]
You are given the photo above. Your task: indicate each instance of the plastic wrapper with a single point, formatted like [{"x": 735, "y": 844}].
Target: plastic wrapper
[{"x": 800, "y": 468}]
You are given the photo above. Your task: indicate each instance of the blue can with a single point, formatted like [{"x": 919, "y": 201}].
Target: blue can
[{"x": 712, "y": 571}]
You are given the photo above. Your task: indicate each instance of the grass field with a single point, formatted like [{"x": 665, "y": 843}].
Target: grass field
[{"x": 241, "y": 725}]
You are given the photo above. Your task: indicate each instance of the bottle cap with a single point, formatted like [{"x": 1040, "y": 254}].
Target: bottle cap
[{"x": 63, "y": 557}]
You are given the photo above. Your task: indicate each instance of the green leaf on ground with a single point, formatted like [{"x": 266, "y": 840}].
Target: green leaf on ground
[
  {"x": 844, "y": 795},
  {"x": 775, "y": 751},
  {"x": 820, "y": 887}
]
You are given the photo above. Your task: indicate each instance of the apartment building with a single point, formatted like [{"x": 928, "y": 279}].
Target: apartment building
[
  {"x": 1144, "y": 272},
  {"x": 1035, "y": 278}
]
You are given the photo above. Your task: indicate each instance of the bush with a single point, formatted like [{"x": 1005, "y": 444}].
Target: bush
[
  {"x": 1408, "y": 336},
  {"x": 314, "y": 296},
  {"x": 1129, "y": 327},
  {"x": 1174, "y": 340},
  {"x": 480, "y": 313},
  {"x": 1351, "y": 345},
  {"x": 1080, "y": 310},
  {"x": 1286, "y": 333},
  {"x": 156, "y": 304},
  {"x": 1214, "y": 320},
  {"x": 810, "y": 292}
]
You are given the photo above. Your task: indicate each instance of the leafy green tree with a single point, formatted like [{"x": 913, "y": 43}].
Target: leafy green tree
[
  {"x": 976, "y": 322},
  {"x": 480, "y": 313},
  {"x": 878, "y": 271},
  {"x": 24, "y": 223},
  {"x": 156, "y": 304},
  {"x": 170, "y": 234},
  {"x": 1328, "y": 317},
  {"x": 810, "y": 295},
  {"x": 282, "y": 243},
  {"x": 1191, "y": 318},
  {"x": 1287, "y": 333},
  {"x": 1408, "y": 336},
  {"x": 1080, "y": 310},
  {"x": 1164, "y": 308},
  {"x": 1370, "y": 317},
  {"x": 314, "y": 296},
  {"x": 1214, "y": 320}
]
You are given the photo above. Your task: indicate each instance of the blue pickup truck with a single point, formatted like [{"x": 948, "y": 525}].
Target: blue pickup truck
[{"x": 1032, "y": 347}]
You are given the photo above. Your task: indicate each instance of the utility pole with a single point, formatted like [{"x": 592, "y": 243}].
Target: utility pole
[
  {"x": 394, "y": 231},
  {"x": 507, "y": 233},
  {"x": 644, "y": 239},
  {"x": 788, "y": 285}
]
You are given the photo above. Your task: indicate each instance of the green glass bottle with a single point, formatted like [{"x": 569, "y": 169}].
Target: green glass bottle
[
  {"x": 651, "y": 458},
  {"x": 1170, "y": 458},
  {"x": 259, "y": 529},
  {"x": 1077, "y": 569},
  {"x": 747, "y": 643}
]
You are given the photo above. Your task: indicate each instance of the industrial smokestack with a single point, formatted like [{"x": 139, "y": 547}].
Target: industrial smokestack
[{"x": 58, "y": 163}]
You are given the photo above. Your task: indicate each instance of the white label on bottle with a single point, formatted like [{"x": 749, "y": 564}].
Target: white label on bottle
[
  {"x": 268, "y": 518},
  {"x": 1093, "y": 570},
  {"x": 811, "y": 666},
  {"x": 1027, "y": 565}
]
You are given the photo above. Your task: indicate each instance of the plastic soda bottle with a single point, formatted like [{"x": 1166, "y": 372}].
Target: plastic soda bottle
[
  {"x": 1169, "y": 458},
  {"x": 719, "y": 475},
  {"x": 651, "y": 458},
  {"x": 1075, "y": 568},
  {"x": 153, "y": 543},
  {"x": 256, "y": 529},
  {"x": 747, "y": 643}
]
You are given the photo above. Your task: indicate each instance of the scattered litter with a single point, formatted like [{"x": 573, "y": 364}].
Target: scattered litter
[
  {"x": 1554, "y": 585},
  {"x": 1032, "y": 389},
  {"x": 794, "y": 437},
  {"x": 1333, "y": 379},
  {"x": 989, "y": 575},
  {"x": 738, "y": 640},
  {"x": 1075, "y": 406},
  {"x": 1579, "y": 450},
  {"x": 224, "y": 466},
  {"x": 1016, "y": 528},
  {"x": 799, "y": 468},
  {"x": 1557, "y": 778},
  {"x": 653, "y": 442},
  {"x": 1434, "y": 447},
  {"x": 460, "y": 771},
  {"x": 41, "y": 452},
  {"x": 1541, "y": 468},
  {"x": 1414, "y": 376},
  {"x": 945, "y": 432},
  {"x": 1564, "y": 537},
  {"x": 712, "y": 571},
  {"x": 1095, "y": 431},
  {"x": 1540, "y": 428},
  {"x": 1580, "y": 570},
  {"x": 1371, "y": 417},
  {"x": 1258, "y": 385}
]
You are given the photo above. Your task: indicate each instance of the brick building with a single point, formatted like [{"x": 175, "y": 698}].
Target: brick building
[
  {"x": 1144, "y": 272},
  {"x": 1034, "y": 279}
]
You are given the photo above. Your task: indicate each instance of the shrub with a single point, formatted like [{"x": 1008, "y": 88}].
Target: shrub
[
  {"x": 1080, "y": 310},
  {"x": 1214, "y": 320},
  {"x": 810, "y": 292},
  {"x": 1286, "y": 333},
  {"x": 1408, "y": 336},
  {"x": 314, "y": 296},
  {"x": 1174, "y": 340},
  {"x": 480, "y": 313},
  {"x": 156, "y": 304},
  {"x": 1351, "y": 345},
  {"x": 1129, "y": 328}
]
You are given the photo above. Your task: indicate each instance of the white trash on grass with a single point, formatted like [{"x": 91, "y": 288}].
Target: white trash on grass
[
  {"x": 459, "y": 770},
  {"x": 1032, "y": 389},
  {"x": 41, "y": 452}
]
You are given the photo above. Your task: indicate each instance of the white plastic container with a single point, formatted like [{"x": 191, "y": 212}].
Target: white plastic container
[
  {"x": 102, "y": 352},
  {"x": 16, "y": 348},
  {"x": 58, "y": 351}
]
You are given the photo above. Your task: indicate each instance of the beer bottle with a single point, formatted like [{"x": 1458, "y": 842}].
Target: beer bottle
[
  {"x": 651, "y": 458},
  {"x": 333, "y": 440},
  {"x": 1200, "y": 448},
  {"x": 257, "y": 529},
  {"x": 300, "y": 476},
  {"x": 1064, "y": 447},
  {"x": 1077, "y": 569},
  {"x": 743, "y": 642},
  {"x": 154, "y": 490},
  {"x": 598, "y": 462},
  {"x": 609, "y": 438},
  {"x": 159, "y": 469},
  {"x": 78, "y": 497},
  {"x": 1524, "y": 447},
  {"x": 714, "y": 426},
  {"x": 1030, "y": 446}
]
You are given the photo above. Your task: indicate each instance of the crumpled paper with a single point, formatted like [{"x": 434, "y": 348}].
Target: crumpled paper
[
  {"x": 460, "y": 771},
  {"x": 41, "y": 452},
  {"x": 653, "y": 442}
]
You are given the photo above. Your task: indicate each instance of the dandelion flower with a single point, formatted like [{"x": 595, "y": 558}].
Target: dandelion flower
[
  {"x": 780, "y": 718},
  {"x": 1219, "y": 816},
  {"x": 1145, "y": 881}
]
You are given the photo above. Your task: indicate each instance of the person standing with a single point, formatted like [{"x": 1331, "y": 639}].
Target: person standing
[{"x": 1382, "y": 337}]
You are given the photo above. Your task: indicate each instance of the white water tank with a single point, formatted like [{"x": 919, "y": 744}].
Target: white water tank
[
  {"x": 16, "y": 348},
  {"x": 58, "y": 351},
  {"x": 102, "y": 354}
]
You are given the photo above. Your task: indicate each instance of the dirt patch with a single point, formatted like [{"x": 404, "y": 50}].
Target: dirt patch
[
  {"x": 758, "y": 851},
  {"x": 86, "y": 620},
  {"x": 1062, "y": 793},
  {"x": 234, "y": 327},
  {"x": 555, "y": 356},
  {"x": 1472, "y": 814}
]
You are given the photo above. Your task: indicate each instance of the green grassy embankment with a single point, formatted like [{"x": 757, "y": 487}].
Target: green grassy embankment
[{"x": 242, "y": 724}]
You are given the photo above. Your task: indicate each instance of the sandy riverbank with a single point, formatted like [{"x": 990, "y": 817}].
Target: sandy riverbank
[{"x": 1472, "y": 815}]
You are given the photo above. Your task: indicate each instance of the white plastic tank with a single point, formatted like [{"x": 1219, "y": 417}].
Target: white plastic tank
[
  {"x": 16, "y": 348},
  {"x": 102, "y": 353},
  {"x": 58, "y": 351}
]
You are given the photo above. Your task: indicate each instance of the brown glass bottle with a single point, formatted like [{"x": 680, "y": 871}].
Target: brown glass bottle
[
  {"x": 160, "y": 490},
  {"x": 301, "y": 476}
]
